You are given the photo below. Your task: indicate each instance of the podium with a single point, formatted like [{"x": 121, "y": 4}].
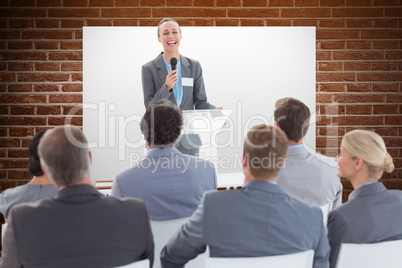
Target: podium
[{"x": 200, "y": 128}]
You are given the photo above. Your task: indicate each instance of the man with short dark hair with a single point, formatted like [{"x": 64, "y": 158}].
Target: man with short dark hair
[
  {"x": 258, "y": 220},
  {"x": 309, "y": 177},
  {"x": 80, "y": 227},
  {"x": 170, "y": 183}
]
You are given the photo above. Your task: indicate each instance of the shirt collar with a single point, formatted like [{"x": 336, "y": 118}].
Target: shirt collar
[
  {"x": 168, "y": 64},
  {"x": 296, "y": 146},
  {"x": 153, "y": 149}
]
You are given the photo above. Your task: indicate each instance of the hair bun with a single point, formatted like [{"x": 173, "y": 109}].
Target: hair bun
[
  {"x": 34, "y": 166},
  {"x": 388, "y": 163}
]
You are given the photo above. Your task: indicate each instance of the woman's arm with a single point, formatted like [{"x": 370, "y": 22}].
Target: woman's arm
[{"x": 151, "y": 93}]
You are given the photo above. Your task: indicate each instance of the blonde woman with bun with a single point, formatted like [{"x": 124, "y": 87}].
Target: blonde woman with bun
[{"x": 373, "y": 213}]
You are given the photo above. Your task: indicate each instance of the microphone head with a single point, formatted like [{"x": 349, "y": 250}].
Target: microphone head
[{"x": 173, "y": 63}]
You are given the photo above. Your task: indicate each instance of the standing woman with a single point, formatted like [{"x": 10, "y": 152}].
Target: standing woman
[
  {"x": 184, "y": 86},
  {"x": 373, "y": 214}
]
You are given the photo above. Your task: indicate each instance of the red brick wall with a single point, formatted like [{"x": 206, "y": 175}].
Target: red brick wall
[{"x": 359, "y": 67}]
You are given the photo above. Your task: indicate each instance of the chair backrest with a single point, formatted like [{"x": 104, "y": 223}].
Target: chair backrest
[
  {"x": 3, "y": 231},
  {"x": 296, "y": 260},
  {"x": 163, "y": 231},
  {"x": 2, "y": 221},
  {"x": 137, "y": 264},
  {"x": 326, "y": 209},
  {"x": 383, "y": 254}
]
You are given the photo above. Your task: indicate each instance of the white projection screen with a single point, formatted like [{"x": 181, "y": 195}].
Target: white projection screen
[{"x": 245, "y": 69}]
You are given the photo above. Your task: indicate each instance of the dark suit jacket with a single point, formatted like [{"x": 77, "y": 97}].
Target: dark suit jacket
[
  {"x": 373, "y": 214},
  {"x": 153, "y": 84},
  {"x": 258, "y": 220},
  {"x": 78, "y": 228}
]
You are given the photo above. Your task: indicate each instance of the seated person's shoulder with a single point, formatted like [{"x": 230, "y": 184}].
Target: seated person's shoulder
[
  {"x": 303, "y": 207},
  {"x": 217, "y": 198},
  {"x": 13, "y": 191},
  {"x": 397, "y": 194},
  {"x": 197, "y": 162},
  {"x": 125, "y": 202},
  {"x": 351, "y": 207},
  {"x": 127, "y": 208},
  {"x": 322, "y": 160},
  {"x": 32, "y": 209},
  {"x": 139, "y": 166},
  {"x": 25, "y": 193}
]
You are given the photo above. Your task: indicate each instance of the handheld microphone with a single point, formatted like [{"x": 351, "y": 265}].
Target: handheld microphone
[{"x": 173, "y": 63}]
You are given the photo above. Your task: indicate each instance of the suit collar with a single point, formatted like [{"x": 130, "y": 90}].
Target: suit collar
[
  {"x": 77, "y": 190},
  {"x": 167, "y": 151},
  {"x": 158, "y": 61},
  {"x": 185, "y": 67},
  {"x": 161, "y": 68},
  {"x": 263, "y": 186},
  {"x": 368, "y": 189}
]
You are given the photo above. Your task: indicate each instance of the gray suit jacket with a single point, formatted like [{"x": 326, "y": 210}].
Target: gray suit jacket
[
  {"x": 372, "y": 214},
  {"x": 258, "y": 220},
  {"x": 311, "y": 178},
  {"x": 80, "y": 227},
  {"x": 153, "y": 84},
  {"x": 24, "y": 194},
  {"x": 170, "y": 183}
]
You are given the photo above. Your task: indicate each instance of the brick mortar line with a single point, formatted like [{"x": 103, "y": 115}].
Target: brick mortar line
[
  {"x": 192, "y": 6},
  {"x": 351, "y": 50},
  {"x": 361, "y": 71},
  {"x": 38, "y": 105},
  {"x": 362, "y": 92},
  {"x": 357, "y": 51},
  {"x": 332, "y": 137},
  {"x": 62, "y": 116},
  {"x": 212, "y": 18},
  {"x": 39, "y": 72},
  {"x": 42, "y": 93}
]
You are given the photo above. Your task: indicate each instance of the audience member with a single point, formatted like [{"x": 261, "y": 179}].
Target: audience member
[
  {"x": 309, "y": 177},
  {"x": 258, "y": 220},
  {"x": 38, "y": 188},
  {"x": 80, "y": 227},
  {"x": 373, "y": 214},
  {"x": 170, "y": 183}
]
